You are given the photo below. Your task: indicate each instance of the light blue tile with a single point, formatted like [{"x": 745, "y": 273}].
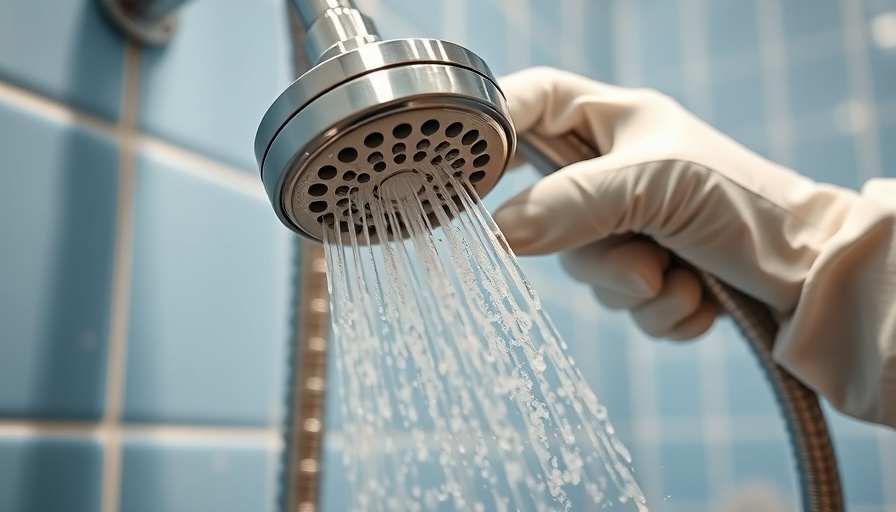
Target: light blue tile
[
  {"x": 182, "y": 476},
  {"x": 209, "y": 87},
  {"x": 659, "y": 38},
  {"x": 887, "y": 138},
  {"x": 58, "y": 192},
  {"x": 883, "y": 71},
  {"x": 335, "y": 490},
  {"x": 49, "y": 474},
  {"x": 64, "y": 49},
  {"x": 732, "y": 27},
  {"x": 769, "y": 462},
  {"x": 831, "y": 159},
  {"x": 684, "y": 471},
  {"x": 802, "y": 19},
  {"x": 738, "y": 103},
  {"x": 679, "y": 386},
  {"x": 485, "y": 32},
  {"x": 210, "y": 299},
  {"x": 818, "y": 85},
  {"x": 860, "y": 468},
  {"x": 749, "y": 391}
]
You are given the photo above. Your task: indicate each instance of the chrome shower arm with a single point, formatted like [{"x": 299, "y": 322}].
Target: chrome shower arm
[{"x": 333, "y": 27}]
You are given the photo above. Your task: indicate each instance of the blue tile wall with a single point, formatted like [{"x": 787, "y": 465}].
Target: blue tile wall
[
  {"x": 58, "y": 187},
  {"x": 205, "y": 318},
  {"x": 47, "y": 474},
  {"x": 63, "y": 49},
  {"x": 210, "y": 86},
  {"x": 176, "y": 476},
  {"x": 216, "y": 353}
]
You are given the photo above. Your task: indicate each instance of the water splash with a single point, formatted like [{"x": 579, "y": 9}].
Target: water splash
[{"x": 455, "y": 390}]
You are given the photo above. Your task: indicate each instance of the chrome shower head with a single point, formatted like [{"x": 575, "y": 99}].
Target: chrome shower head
[{"x": 379, "y": 109}]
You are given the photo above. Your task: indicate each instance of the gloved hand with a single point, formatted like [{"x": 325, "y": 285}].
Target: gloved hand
[
  {"x": 680, "y": 186},
  {"x": 667, "y": 182}
]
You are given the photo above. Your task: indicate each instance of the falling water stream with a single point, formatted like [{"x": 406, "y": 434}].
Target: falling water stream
[{"x": 455, "y": 388}]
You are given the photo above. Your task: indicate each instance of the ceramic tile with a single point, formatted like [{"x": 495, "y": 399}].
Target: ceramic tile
[
  {"x": 58, "y": 193},
  {"x": 182, "y": 476},
  {"x": 49, "y": 474},
  {"x": 208, "y": 88},
  {"x": 64, "y": 49},
  {"x": 210, "y": 300}
]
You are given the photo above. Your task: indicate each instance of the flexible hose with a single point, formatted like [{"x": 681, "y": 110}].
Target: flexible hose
[
  {"x": 811, "y": 441},
  {"x": 809, "y": 436}
]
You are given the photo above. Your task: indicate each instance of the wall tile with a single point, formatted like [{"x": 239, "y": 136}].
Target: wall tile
[
  {"x": 768, "y": 462},
  {"x": 738, "y": 103},
  {"x": 49, "y": 474},
  {"x": 184, "y": 476},
  {"x": 831, "y": 159},
  {"x": 64, "y": 49},
  {"x": 209, "y": 302},
  {"x": 732, "y": 27},
  {"x": 684, "y": 471},
  {"x": 209, "y": 87},
  {"x": 803, "y": 19},
  {"x": 57, "y": 198},
  {"x": 860, "y": 469},
  {"x": 817, "y": 85},
  {"x": 749, "y": 392},
  {"x": 679, "y": 388}
]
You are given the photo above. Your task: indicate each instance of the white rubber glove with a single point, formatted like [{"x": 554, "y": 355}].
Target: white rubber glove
[{"x": 822, "y": 257}]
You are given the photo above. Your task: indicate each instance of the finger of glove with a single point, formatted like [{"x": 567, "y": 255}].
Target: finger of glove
[
  {"x": 679, "y": 298},
  {"x": 548, "y": 100},
  {"x": 573, "y": 207},
  {"x": 698, "y": 323},
  {"x": 623, "y": 269}
]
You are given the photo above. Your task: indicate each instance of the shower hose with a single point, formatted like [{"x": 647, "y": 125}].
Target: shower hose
[{"x": 808, "y": 431}]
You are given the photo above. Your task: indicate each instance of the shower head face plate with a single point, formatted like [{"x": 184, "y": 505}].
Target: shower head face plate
[
  {"x": 381, "y": 115},
  {"x": 423, "y": 141}
]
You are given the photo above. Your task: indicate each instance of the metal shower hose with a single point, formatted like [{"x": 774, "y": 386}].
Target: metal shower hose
[{"x": 809, "y": 436}]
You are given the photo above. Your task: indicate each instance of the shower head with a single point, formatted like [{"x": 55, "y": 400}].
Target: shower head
[{"x": 377, "y": 110}]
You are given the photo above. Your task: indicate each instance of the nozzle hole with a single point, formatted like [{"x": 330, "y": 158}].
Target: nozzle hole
[
  {"x": 401, "y": 131},
  {"x": 375, "y": 157},
  {"x": 458, "y": 174},
  {"x": 481, "y": 160},
  {"x": 363, "y": 177},
  {"x": 342, "y": 202},
  {"x": 436, "y": 160},
  {"x": 318, "y": 206},
  {"x": 347, "y": 155},
  {"x": 442, "y": 146},
  {"x": 430, "y": 127},
  {"x": 400, "y": 158},
  {"x": 326, "y": 172},
  {"x": 379, "y": 166},
  {"x": 349, "y": 175},
  {"x": 454, "y": 129},
  {"x": 479, "y": 147},
  {"x": 419, "y": 156},
  {"x": 470, "y": 137},
  {"x": 373, "y": 140},
  {"x": 477, "y": 176},
  {"x": 423, "y": 144},
  {"x": 341, "y": 191},
  {"x": 457, "y": 164},
  {"x": 451, "y": 155},
  {"x": 398, "y": 148},
  {"x": 317, "y": 190}
]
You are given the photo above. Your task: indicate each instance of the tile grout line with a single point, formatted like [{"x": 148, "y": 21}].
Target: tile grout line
[
  {"x": 773, "y": 66},
  {"x": 88, "y": 429},
  {"x": 110, "y": 426},
  {"x": 624, "y": 41},
  {"x": 191, "y": 161},
  {"x": 861, "y": 87}
]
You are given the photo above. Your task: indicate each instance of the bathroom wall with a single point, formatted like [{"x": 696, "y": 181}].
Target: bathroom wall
[{"x": 145, "y": 284}]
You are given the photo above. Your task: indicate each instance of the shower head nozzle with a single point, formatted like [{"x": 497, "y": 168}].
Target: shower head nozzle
[{"x": 381, "y": 109}]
